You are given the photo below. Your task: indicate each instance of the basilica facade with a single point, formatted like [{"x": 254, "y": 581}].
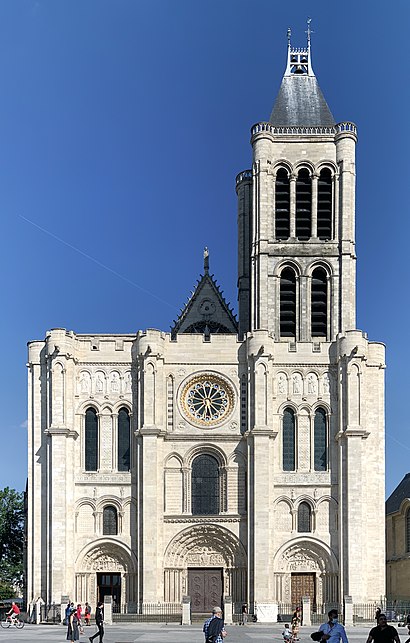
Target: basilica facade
[{"x": 239, "y": 458}]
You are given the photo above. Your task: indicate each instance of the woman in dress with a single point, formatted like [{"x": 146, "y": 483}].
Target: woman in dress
[
  {"x": 73, "y": 632},
  {"x": 295, "y": 625}
]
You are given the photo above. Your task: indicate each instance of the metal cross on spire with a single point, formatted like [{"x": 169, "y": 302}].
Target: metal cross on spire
[
  {"x": 309, "y": 31},
  {"x": 289, "y": 35}
]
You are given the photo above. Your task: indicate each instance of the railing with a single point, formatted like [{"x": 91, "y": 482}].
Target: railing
[
  {"x": 395, "y": 611},
  {"x": 295, "y": 130},
  {"x": 150, "y": 613},
  {"x": 285, "y": 612},
  {"x": 50, "y": 613},
  {"x": 320, "y": 612},
  {"x": 246, "y": 175}
]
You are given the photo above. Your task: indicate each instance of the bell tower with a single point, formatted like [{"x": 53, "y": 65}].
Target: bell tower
[{"x": 296, "y": 215}]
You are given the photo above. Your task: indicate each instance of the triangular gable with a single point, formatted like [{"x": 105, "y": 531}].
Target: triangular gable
[{"x": 206, "y": 311}]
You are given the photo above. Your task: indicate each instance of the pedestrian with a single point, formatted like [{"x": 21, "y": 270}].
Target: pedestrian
[
  {"x": 87, "y": 613},
  {"x": 333, "y": 631},
  {"x": 67, "y": 613},
  {"x": 383, "y": 633},
  {"x": 244, "y": 616},
  {"x": 73, "y": 632},
  {"x": 287, "y": 634},
  {"x": 295, "y": 623},
  {"x": 214, "y": 629},
  {"x": 99, "y": 621},
  {"x": 377, "y": 614},
  {"x": 79, "y": 613}
]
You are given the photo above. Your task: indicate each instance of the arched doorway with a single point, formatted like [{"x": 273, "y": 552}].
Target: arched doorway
[
  {"x": 306, "y": 567},
  {"x": 206, "y": 562},
  {"x": 104, "y": 568}
]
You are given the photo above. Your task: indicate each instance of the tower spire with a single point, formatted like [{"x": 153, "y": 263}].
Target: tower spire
[{"x": 206, "y": 259}]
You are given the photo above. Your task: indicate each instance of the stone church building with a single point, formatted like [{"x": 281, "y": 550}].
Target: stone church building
[{"x": 239, "y": 458}]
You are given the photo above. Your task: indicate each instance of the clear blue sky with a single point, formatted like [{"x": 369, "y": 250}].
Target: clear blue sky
[{"x": 123, "y": 124}]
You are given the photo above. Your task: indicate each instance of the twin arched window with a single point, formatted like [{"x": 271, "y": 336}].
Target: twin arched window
[
  {"x": 205, "y": 486},
  {"x": 288, "y": 323},
  {"x": 289, "y": 441},
  {"x": 91, "y": 440},
  {"x": 303, "y": 211}
]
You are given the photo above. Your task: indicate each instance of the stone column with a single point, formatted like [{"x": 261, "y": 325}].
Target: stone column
[
  {"x": 151, "y": 535},
  {"x": 108, "y": 610},
  {"x": 228, "y": 610},
  {"x": 306, "y": 619},
  {"x": 292, "y": 182},
  {"x": 186, "y": 610},
  {"x": 348, "y": 611},
  {"x": 315, "y": 178}
]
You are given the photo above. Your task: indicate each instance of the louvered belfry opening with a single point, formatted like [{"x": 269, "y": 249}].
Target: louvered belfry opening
[
  {"x": 288, "y": 303},
  {"x": 303, "y": 205},
  {"x": 282, "y": 205},
  {"x": 319, "y": 303},
  {"x": 324, "y": 205}
]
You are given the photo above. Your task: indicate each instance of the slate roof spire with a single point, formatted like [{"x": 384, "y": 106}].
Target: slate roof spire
[{"x": 300, "y": 100}]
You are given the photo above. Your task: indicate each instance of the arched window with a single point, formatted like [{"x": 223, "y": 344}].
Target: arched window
[
  {"x": 205, "y": 486},
  {"x": 91, "y": 440},
  {"x": 408, "y": 530},
  {"x": 288, "y": 303},
  {"x": 282, "y": 205},
  {"x": 288, "y": 441},
  {"x": 324, "y": 204},
  {"x": 304, "y": 517},
  {"x": 319, "y": 303},
  {"x": 303, "y": 205},
  {"x": 320, "y": 440},
  {"x": 110, "y": 521},
  {"x": 123, "y": 440}
]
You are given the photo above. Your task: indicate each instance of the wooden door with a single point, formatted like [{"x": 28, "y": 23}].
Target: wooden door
[
  {"x": 205, "y": 589},
  {"x": 303, "y": 585}
]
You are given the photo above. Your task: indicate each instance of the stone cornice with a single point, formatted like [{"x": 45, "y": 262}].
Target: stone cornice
[
  {"x": 97, "y": 478},
  {"x": 206, "y": 435},
  {"x": 204, "y": 519},
  {"x": 61, "y": 430}
]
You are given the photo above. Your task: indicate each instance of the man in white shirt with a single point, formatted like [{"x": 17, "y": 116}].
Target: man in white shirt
[{"x": 333, "y": 631}]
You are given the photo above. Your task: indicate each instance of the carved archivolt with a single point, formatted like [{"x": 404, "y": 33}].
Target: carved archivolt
[
  {"x": 305, "y": 556},
  {"x": 106, "y": 556},
  {"x": 207, "y": 545}
]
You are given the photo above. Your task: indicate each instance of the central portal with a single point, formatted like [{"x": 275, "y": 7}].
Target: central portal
[
  {"x": 303, "y": 585},
  {"x": 205, "y": 589}
]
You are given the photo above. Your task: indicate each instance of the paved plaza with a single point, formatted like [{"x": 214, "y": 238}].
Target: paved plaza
[{"x": 161, "y": 633}]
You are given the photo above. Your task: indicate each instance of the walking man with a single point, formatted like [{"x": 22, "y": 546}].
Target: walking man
[
  {"x": 383, "y": 633},
  {"x": 333, "y": 631},
  {"x": 213, "y": 629},
  {"x": 99, "y": 620}
]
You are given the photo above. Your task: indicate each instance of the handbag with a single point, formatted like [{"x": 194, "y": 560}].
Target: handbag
[{"x": 316, "y": 636}]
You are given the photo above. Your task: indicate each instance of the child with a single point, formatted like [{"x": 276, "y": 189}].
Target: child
[{"x": 287, "y": 634}]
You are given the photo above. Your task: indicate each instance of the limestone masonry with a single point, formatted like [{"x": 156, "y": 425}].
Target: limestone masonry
[{"x": 226, "y": 460}]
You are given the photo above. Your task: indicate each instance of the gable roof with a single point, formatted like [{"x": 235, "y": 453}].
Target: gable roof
[
  {"x": 206, "y": 311},
  {"x": 401, "y": 492}
]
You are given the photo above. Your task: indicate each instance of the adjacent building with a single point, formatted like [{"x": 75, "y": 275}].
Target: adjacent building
[{"x": 229, "y": 457}]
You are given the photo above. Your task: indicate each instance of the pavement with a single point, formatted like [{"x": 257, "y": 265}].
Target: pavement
[{"x": 162, "y": 633}]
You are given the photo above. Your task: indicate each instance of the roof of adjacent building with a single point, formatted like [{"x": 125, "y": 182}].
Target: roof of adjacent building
[{"x": 401, "y": 492}]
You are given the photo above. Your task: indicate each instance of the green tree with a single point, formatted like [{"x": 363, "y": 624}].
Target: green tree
[{"x": 11, "y": 541}]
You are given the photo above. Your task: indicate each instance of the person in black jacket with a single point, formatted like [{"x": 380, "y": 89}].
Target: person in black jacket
[{"x": 99, "y": 620}]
